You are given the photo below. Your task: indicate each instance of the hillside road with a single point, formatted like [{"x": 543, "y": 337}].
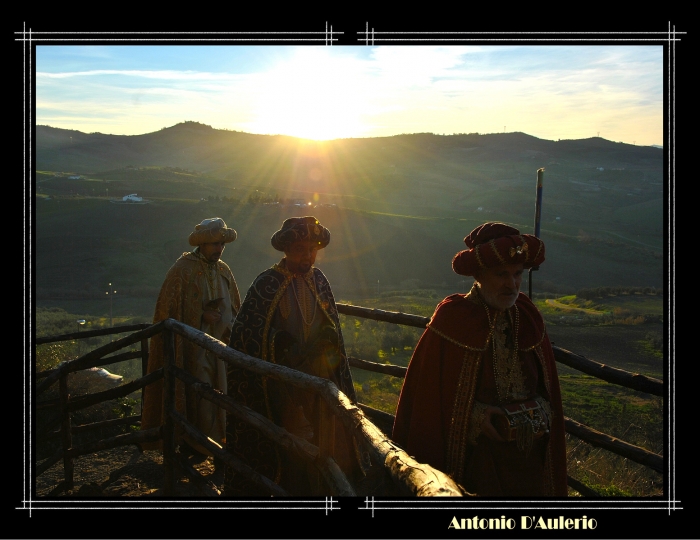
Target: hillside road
[{"x": 555, "y": 303}]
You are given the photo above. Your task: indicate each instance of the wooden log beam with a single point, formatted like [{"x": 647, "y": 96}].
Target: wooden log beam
[
  {"x": 624, "y": 378},
  {"x": 134, "y": 420},
  {"x": 85, "y": 400},
  {"x": 129, "y": 421},
  {"x": 438, "y": 483},
  {"x": 48, "y": 404},
  {"x": 144, "y": 365},
  {"x": 60, "y": 488},
  {"x": 423, "y": 480},
  {"x": 92, "y": 333},
  {"x": 301, "y": 447},
  {"x": 49, "y": 462},
  {"x": 66, "y": 437},
  {"x": 137, "y": 437},
  {"x": 410, "y": 476},
  {"x": 582, "y": 488},
  {"x": 104, "y": 362},
  {"x": 395, "y": 317},
  {"x": 229, "y": 459},
  {"x": 333, "y": 475},
  {"x": 169, "y": 408},
  {"x": 205, "y": 487},
  {"x": 381, "y": 419},
  {"x": 81, "y": 402},
  {"x": 94, "y": 357},
  {"x": 615, "y": 445},
  {"x": 583, "y": 432},
  {"x": 387, "y": 369},
  {"x": 635, "y": 381}
]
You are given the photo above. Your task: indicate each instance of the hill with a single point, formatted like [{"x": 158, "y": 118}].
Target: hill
[
  {"x": 191, "y": 145},
  {"x": 403, "y": 206},
  {"x": 417, "y": 174}
]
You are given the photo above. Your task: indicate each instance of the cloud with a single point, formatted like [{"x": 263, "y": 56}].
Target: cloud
[
  {"x": 548, "y": 91},
  {"x": 145, "y": 74}
]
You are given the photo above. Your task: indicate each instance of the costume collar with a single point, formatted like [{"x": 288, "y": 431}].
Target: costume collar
[
  {"x": 198, "y": 255},
  {"x": 465, "y": 320},
  {"x": 281, "y": 267}
]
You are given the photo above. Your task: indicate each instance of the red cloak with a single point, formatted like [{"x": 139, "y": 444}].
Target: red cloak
[{"x": 450, "y": 369}]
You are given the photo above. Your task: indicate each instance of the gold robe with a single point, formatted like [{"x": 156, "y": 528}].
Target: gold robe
[{"x": 189, "y": 285}]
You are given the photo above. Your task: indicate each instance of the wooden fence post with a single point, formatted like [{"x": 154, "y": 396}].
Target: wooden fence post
[
  {"x": 67, "y": 439},
  {"x": 326, "y": 439},
  {"x": 168, "y": 408},
  {"x": 144, "y": 365}
]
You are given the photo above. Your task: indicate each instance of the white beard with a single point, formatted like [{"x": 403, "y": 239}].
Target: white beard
[{"x": 496, "y": 300}]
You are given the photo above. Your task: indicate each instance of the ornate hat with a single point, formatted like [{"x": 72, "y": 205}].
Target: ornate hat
[
  {"x": 300, "y": 228},
  {"x": 211, "y": 230},
  {"x": 494, "y": 244}
]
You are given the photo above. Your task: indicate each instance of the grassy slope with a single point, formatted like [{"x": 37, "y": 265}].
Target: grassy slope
[
  {"x": 84, "y": 243},
  {"x": 407, "y": 206},
  {"x": 408, "y": 202},
  {"x": 629, "y": 415}
]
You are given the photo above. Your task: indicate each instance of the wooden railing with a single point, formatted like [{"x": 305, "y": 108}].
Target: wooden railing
[
  {"x": 634, "y": 381},
  {"x": 370, "y": 426},
  {"x": 408, "y": 476}
]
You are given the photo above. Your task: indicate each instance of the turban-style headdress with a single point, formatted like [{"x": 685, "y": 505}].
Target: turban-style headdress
[
  {"x": 495, "y": 244},
  {"x": 211, "y": 230},
  {"x": 300, "y": 228}
]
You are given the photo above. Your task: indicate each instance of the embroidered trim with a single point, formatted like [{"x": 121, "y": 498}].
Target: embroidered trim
[
  {"x": 211, "y": 273},
  {"x": 477, "y": 418},
  {"x": 271, "y": 357},
  {"x": 308, "y": 277},
  {"x": 507, "y": 369},
  {"x": 478, "y": 258},
  {"x": 455, "y": 342},
  {"x": 492, "y": 243},
  {"x": 271, "y": 312},
  {"x": 459, "y": 422}
]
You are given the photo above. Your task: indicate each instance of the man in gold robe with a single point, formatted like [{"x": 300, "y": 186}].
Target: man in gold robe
[{"x": 199, "y": 290}]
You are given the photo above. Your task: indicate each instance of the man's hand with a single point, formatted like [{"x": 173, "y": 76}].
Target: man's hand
[
  {"x": 211, "y": 316},
  {"x": 487, "y": 427}
]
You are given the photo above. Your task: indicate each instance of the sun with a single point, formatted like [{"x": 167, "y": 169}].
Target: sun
[{"x": 318, "y": 99}]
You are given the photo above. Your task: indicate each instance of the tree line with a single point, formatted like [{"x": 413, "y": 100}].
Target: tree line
[{"x": 604, "y": 292}]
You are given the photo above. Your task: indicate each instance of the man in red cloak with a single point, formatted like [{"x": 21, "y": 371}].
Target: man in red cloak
[{"x": 481, "y": 398}]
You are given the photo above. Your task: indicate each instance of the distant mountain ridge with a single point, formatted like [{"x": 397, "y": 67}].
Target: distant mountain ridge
[
  {"x": 199, "y": 147},
  {"x": 398, "y": 206}
]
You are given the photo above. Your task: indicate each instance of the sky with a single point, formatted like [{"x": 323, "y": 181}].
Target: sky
[{"x": 329, "y": 92}]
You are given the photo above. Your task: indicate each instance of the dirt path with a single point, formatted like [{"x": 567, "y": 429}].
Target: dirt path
[{"x": 556, "y": 304}]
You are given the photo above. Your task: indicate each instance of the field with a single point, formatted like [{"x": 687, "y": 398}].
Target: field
[
  {"x": 632, "y": 416},
  {"x": 83, "y": 244},
  {"x": 620, "y": 342},
  {"x": 402, "y": 208}
]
